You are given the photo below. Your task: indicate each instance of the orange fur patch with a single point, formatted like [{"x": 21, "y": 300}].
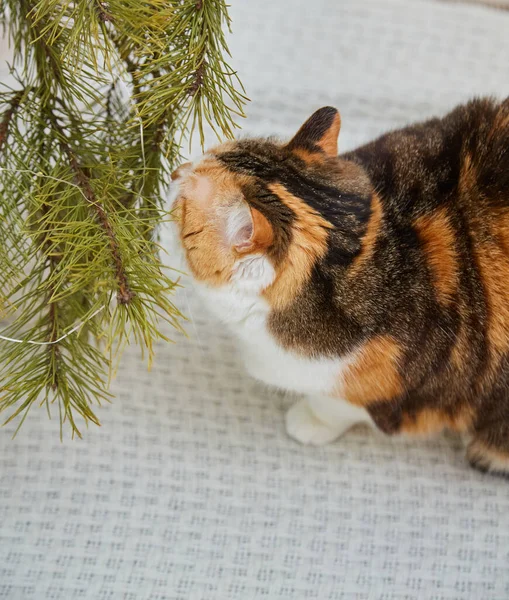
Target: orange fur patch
[
  {"x": 496, "y": 279},
  {"x": 370, "y": 237},
  {"x": 307, "y": 156},
  {"x": 206, "y": 195},
  {"x": 430, "y": 420},
  {"x": 225, "y": 182},
  {"x": 468, "y": 176},
  {"x": 263, "y": 234},
  {"x": 458, "y": 351},
  {"x": 329, "y": 141},
  {"x": 500, "y": 123},
  {"x": 374, "y": 375},
  {"x": 202, "y": 243},
  {"x": 437, "y": 238},
  {"x": 493, "y": 261},
  {"x": 309, "y": 243}
]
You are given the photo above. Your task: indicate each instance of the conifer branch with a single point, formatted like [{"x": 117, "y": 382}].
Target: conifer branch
[
  {"x": 8, "y": 116},
  {"x": 53, "y": 350},
  {"x": 124, "y": 292},
  {"x": 103, "y": 11},
  {"x": 82, "y": 164}
]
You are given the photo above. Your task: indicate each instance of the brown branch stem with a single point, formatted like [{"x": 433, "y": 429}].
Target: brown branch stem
[
  {"x": 103, "y": 11},
  {"x": 197, "y": 78},
  {"x": 8, "y": 116},
  {"x": 53, "y": 350},
  {"x": 124, "y": 292}
]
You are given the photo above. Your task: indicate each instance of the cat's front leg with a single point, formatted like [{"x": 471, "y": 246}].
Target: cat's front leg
[{"x": 319, "y": 420}]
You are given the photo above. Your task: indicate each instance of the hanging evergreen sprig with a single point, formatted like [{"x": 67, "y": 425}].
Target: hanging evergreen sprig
[{"x": 106, "y": 92}]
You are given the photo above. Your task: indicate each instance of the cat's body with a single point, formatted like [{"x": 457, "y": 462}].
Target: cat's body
[{"x": 376, "y": 283}]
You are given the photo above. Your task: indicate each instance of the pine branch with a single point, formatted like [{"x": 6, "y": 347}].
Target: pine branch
[
  {"x": 124, "y": 293},
  {"x": 53, "y": 349},
  {"x": 81, "y": 165},
  {"x": 102, "y": 11},
  {"x": 197, "y": 80},
  {"x": 8, "y": 115}
]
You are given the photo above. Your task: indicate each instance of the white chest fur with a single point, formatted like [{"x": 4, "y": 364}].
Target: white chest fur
[
  {"x": 316, "y": 419},
  {"x": 267, "y": 361},
  {"x": 264, "y": 359}
]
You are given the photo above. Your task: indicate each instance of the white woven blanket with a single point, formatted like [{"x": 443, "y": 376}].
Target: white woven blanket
[{"x": 191, "y": 489}]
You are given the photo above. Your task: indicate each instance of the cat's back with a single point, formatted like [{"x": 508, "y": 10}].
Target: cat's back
[
  {"x": 461, "y": 159},
  {"x": 444, "y": 188},
  {"x": 484, "y": 160}
]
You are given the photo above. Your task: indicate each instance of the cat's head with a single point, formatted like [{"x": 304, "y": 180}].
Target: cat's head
[{"x": 258, "y": 215}]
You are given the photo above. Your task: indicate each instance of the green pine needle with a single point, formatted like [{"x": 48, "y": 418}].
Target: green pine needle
[{"x": 107, "y": 93}]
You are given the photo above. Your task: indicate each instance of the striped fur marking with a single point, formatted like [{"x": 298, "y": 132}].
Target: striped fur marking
[
  {"x": 374, "y": 375},
  {"x": 437, "y": 238},
  {"x": 308, "y": 244}
]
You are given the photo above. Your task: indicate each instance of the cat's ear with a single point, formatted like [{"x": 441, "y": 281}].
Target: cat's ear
[
  {"x": 319, "y": 133},
  {"x": 248, "y": 230}
]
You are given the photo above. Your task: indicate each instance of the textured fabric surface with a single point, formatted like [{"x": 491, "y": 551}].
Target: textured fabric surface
[
  {"x": 191, "y": 489},
  {"x": 502, "y": 4}
]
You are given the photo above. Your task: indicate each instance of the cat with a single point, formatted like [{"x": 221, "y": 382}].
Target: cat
[{"x": 375, "y": 283}]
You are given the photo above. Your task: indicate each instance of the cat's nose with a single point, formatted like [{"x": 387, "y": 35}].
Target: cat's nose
[{"x": 181, "y": 170}]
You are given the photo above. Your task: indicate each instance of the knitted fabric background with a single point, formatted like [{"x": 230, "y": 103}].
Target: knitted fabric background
[{"x": 191, "y": 488}]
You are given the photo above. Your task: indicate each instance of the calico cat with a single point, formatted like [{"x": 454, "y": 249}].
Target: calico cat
[{"x": 376, "y": 283}]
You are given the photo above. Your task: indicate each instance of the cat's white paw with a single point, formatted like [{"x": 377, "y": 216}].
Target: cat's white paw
[{"x": 302, "y": 425}]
